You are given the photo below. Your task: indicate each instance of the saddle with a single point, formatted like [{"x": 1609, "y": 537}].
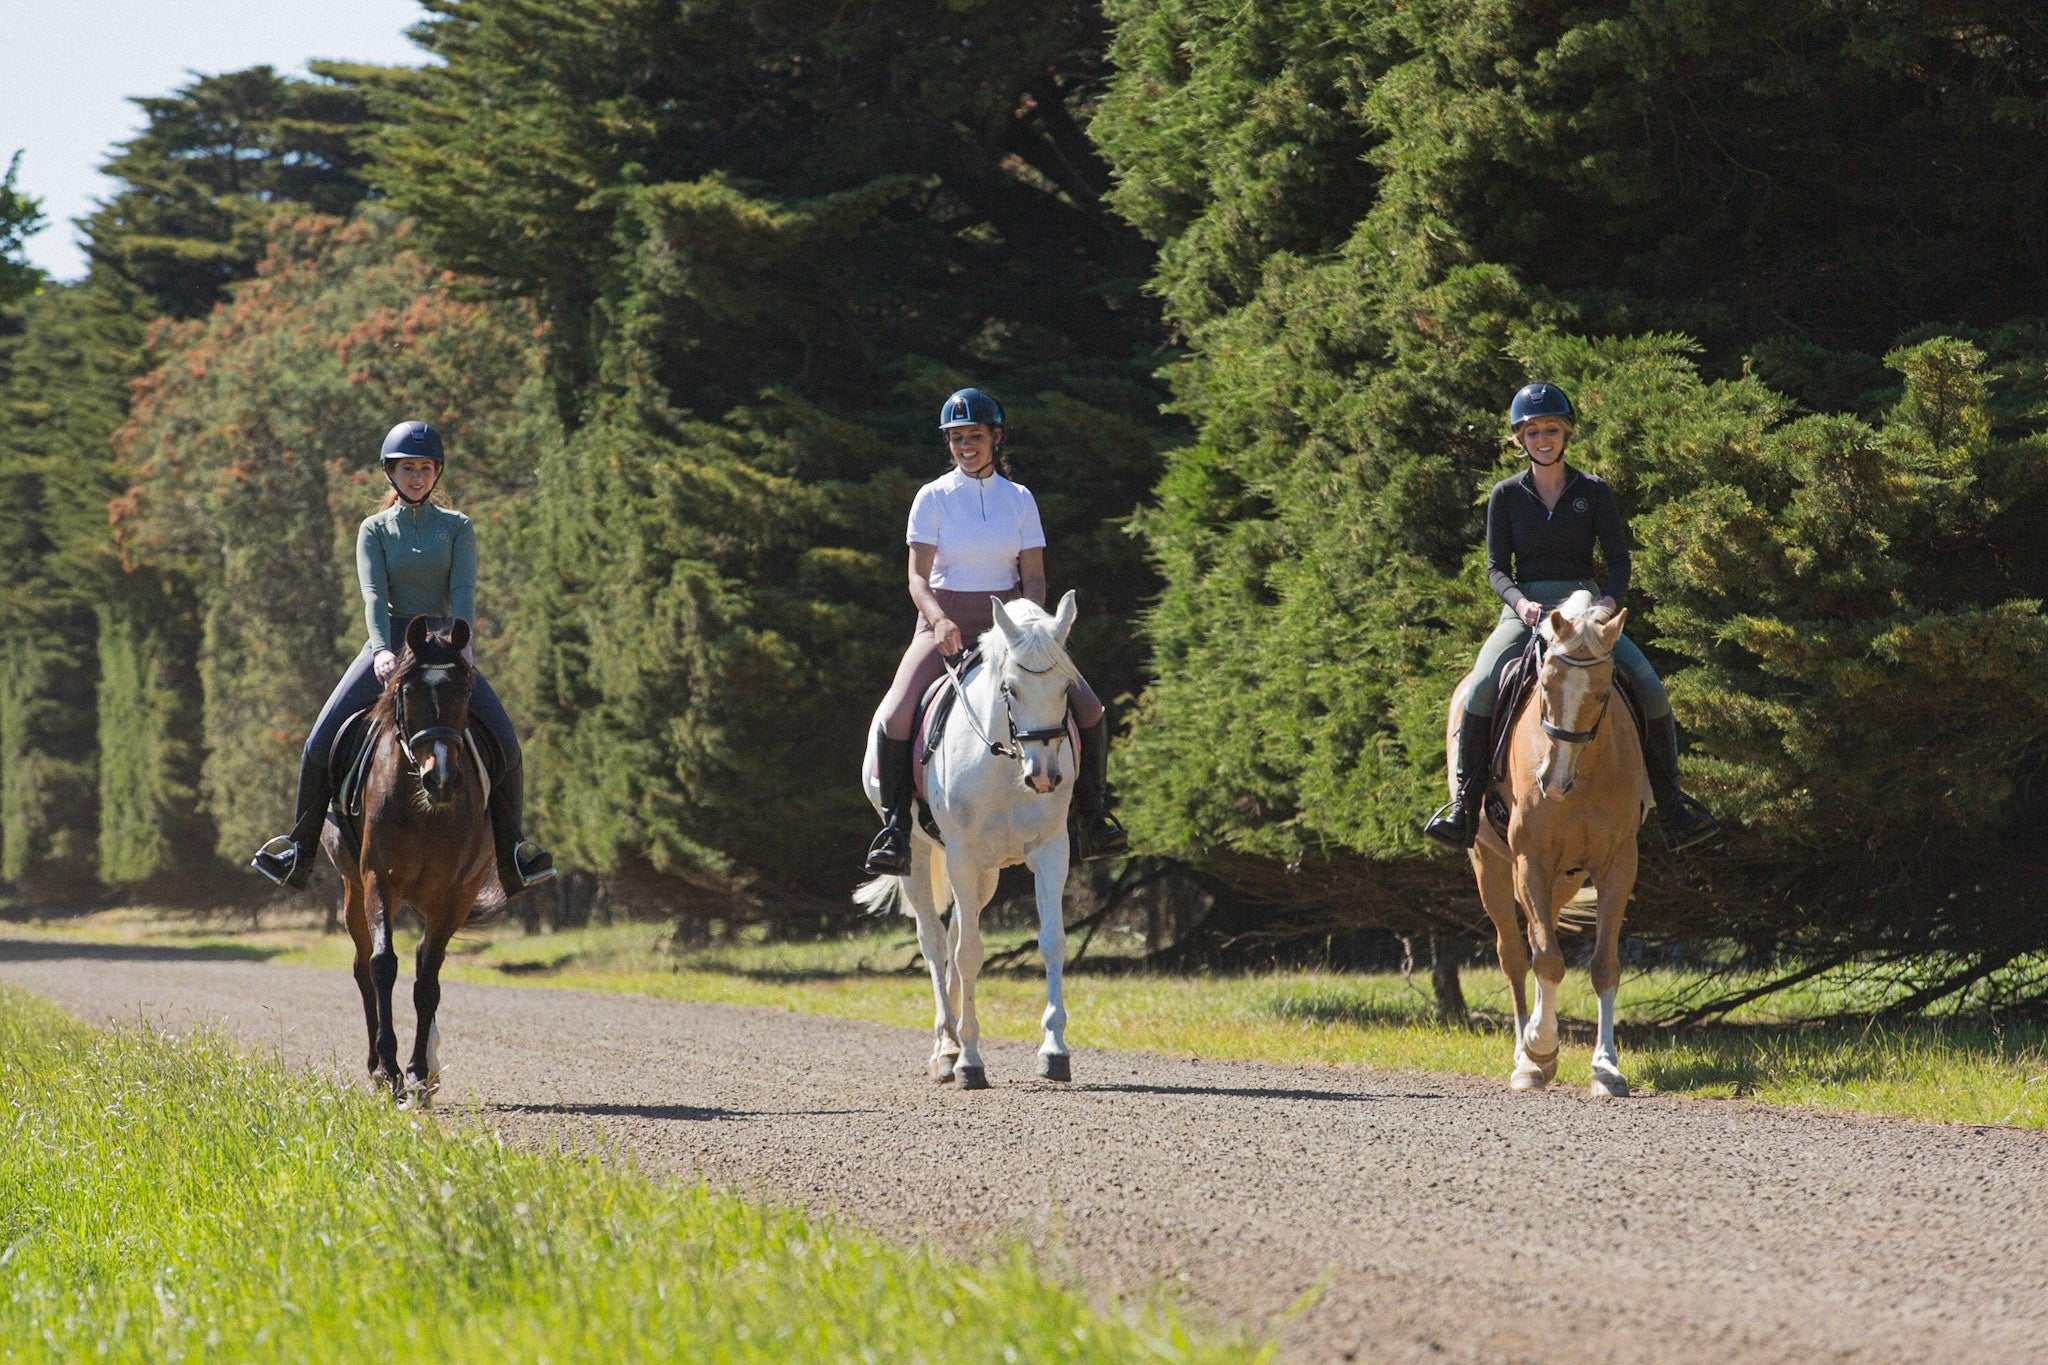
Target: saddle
[
  {"x": 928, "y": 728},
  {"x": 1517, "y": 684},
  {"x": 355, "y": 742}
]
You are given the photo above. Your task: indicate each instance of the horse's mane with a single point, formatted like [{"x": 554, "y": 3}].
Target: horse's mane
[{"x": 1040, "y": 650}]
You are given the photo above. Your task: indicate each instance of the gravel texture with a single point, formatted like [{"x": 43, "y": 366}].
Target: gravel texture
[{"x": 1352, "y": 1214}]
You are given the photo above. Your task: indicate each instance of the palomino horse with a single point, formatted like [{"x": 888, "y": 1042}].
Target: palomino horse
[
  {"x": 996, "y": 793},
  {"x": 1576, "y": 792},
  {"x": 426, "y": 843}
]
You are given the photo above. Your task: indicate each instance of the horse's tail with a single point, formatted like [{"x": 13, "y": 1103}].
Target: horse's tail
[{"x": 882, "y": 896}]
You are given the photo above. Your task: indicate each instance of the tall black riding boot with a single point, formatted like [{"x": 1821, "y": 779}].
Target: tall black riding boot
[
  {"x": 522, "y": 863},
  {"x": 288, "y": 859},
  {"x": 889, "y": 854},
  {"x": 1096, "y": 833},
  {"x": 1456, "y": 824},
  {"x": 1685, "y": 820}
]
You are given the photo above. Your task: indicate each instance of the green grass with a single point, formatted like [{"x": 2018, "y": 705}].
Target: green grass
[
  {"x": 165, "y": 1200},
  {"x": 1774, "y": 1051}
]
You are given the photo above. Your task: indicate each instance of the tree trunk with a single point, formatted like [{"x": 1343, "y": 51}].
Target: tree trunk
[{"x": 1443, "y": 979}]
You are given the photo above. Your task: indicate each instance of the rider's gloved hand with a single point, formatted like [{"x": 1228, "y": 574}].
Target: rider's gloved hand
[{"x": 383, "y": 664}]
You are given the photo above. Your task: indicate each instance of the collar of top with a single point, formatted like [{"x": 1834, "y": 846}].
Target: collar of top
[{"x": 957, "y": 477}]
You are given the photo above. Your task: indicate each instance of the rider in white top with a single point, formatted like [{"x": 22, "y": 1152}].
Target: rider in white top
[
  {"x": 974, "y": 535},
  {"x": 978, "y": 528}
]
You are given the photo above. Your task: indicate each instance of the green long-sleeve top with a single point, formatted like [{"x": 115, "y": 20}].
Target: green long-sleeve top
[{"x": 415, "y": 561}]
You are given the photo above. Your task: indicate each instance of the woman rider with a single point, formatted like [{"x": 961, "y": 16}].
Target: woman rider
[
  {"x": 1540, "y": 530},
  {"x": 412, "y": 559},
  {"x": 975, "y": 535}
]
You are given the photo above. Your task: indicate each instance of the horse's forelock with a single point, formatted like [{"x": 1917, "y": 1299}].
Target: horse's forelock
[
  {"x": 1583, "y": 614},
  {"x": 1039, "y": 650}
]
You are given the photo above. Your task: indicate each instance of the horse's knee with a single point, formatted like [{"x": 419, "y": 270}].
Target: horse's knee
[{"x": 1549, "y": 965}]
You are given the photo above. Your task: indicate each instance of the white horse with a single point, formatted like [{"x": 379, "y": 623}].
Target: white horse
[{"x": 998, "y": 796}]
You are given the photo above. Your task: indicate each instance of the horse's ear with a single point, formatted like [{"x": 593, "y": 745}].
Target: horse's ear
[
  {"x": 1610, "y": 630},
  {"x": 1560, "y": 626},
  {"x": 458, "y": 638},
  {"x": 416, "y": 634},
  {"x": 1003, "y": 621},
  {"x": 1063, "y": 617}
]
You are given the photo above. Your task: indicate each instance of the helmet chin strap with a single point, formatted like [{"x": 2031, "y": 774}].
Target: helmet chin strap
[
  {"x": 399, "y": 493},
  {"x": 1545, "y": 464}
]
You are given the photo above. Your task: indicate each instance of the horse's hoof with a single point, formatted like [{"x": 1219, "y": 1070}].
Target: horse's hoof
[
  {"x": 1056, "y": 1066},
  {"x": 1528, "y": 1078},
  {"x": 971, "y": 1077},
  {"x": 1608, "y": 1085},
  {"x": 942, "y": 1069}
]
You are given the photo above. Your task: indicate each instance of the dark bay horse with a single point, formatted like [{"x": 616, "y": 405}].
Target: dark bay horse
[{"x": 426, "y": 843}]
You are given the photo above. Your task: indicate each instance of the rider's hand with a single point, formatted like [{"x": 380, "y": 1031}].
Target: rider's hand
[
  {"x": 1530, "y": 612},
  {"x": 383, "y": 664},
  {"x": 947, "y": 636}
]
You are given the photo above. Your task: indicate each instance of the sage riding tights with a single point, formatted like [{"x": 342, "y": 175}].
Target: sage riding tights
[{"x": 1510, "y": 637}]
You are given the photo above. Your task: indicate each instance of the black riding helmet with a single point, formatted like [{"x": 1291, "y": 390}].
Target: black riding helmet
[{"x": 412, "y": 440}]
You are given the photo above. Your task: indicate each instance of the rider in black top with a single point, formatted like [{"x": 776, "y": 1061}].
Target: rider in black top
[{"x": 1542, "y": 527}]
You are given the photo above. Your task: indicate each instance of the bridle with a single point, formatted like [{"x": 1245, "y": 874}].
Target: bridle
[
  {"x": 1558, "y": 732},
  {"x": 1013, "y": 748},
  {"x": 408, "y": 737}
]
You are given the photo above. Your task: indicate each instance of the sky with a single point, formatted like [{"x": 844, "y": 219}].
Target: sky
[{"x": 68, "y": 68}]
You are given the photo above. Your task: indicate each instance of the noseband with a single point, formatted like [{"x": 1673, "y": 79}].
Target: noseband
[
  {"x": 408, "y": 737},
  {"x": 1558, "y": 732}
]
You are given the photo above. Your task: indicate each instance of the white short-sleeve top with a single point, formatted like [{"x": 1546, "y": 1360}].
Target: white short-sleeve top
[{"x": 979, "y": 527}]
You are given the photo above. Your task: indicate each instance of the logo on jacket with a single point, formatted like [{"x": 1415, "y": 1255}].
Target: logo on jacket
[{"x": 1580, "y": 504}]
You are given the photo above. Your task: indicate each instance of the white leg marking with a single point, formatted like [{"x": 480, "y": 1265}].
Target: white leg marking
[{"x": 1607, "y": 1077}]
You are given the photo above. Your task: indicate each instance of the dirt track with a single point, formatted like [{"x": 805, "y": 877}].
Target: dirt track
[{"x": 1670, "y": 1229}]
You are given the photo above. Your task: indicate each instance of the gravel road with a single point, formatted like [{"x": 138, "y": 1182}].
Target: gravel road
[{"x": 1440, "y": 1219}]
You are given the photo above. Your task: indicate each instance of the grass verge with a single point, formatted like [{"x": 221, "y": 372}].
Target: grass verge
[
  {"x": 1775, "y": 1051},
  {"x": 166, "y": 1199}
]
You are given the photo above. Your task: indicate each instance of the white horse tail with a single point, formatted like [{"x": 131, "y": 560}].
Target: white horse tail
[{"x": 882, "y": 896}]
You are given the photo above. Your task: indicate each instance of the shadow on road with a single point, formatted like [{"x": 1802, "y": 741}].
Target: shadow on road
[
  {"x": 56, "y": 950},
  {"x": 682, "y": 1113},
  {"x": 1260, "y": 1093}
]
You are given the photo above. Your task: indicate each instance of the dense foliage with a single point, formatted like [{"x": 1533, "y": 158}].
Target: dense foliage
[
  {"x": 1376, "y": 221},
  {"x": 685, "y": 282}
]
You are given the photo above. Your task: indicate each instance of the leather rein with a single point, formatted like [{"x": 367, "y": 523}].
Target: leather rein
[
  {"x": 1558, "y": 732},
  {"x": 1051, "y": 734}
]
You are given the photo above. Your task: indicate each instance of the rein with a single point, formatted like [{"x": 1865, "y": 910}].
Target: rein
[
  {"x": 1049, "y": 735},
  {"x": 1558, "y": 732}
]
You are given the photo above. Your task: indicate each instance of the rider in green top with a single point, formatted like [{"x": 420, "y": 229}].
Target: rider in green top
[{"x": 412, "y": 559}]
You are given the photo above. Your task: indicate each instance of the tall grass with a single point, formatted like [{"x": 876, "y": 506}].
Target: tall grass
[{"x": 170, "y": 1200}]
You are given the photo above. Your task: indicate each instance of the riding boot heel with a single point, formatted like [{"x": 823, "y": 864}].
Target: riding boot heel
[{"x": 288, "y": 860}]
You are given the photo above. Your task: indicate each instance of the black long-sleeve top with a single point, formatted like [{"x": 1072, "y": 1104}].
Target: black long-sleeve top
[{"x": 1527, "y": 542}]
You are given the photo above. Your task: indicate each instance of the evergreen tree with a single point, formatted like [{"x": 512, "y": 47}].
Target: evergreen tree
[
  {"x": 21, "y": 217},
  {"x": 767, "y": 244},
  {"x": 216, "y": 159},
  {"x": 1376, "y": 221}
]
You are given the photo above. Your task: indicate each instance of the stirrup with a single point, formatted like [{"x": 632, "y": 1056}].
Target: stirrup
[
  {"x": 1100, "y": 836},
  {"x": 276, "y": 859},
  {"x": 1677, "y": 841},
  {"x": 1451, "y": 833},
  {"x": 889, "y": 854},
  {"x": 533, "y": 863}
]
